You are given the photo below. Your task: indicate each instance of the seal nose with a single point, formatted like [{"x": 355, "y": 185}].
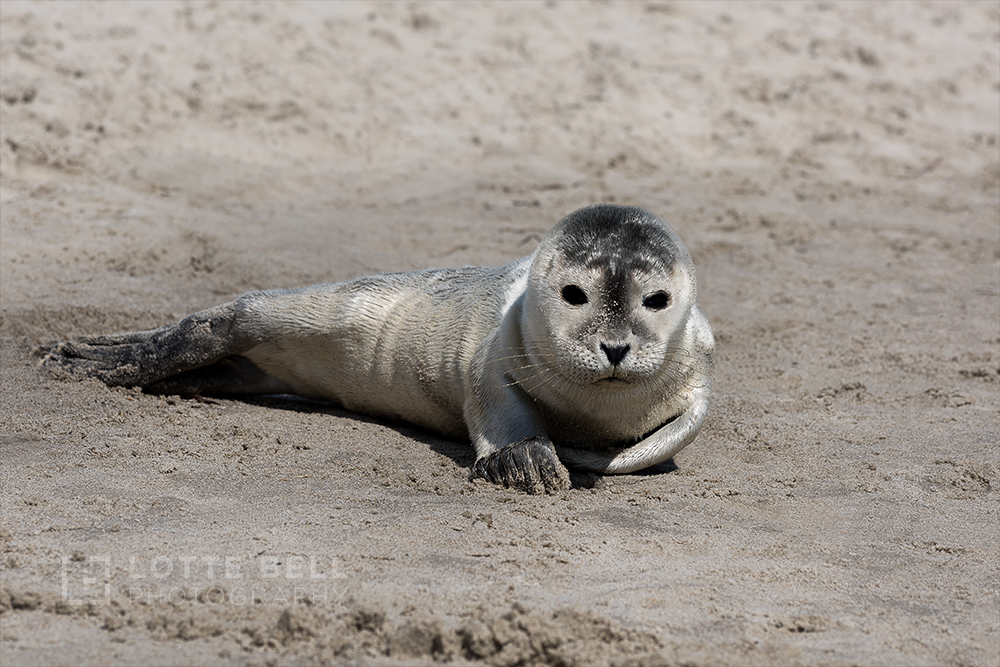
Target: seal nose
[{"x": 615, "y": 353}]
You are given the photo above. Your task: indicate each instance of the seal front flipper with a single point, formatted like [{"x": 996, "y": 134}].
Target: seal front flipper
[
  {"x": 512, "y": 448},
  {"x": 530, "y": 465},
  {"x": 655, "y": 448}
]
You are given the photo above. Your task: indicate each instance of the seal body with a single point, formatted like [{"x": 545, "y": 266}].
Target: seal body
[
  {"x": 592, "y": 350},
  {"x": 396, "y": 345}
]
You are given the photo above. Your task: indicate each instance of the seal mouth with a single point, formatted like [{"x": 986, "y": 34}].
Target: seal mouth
[{"x": 613, "y": 380}]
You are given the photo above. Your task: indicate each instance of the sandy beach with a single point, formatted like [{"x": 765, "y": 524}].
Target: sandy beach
[{"x": 833, "y": 167}]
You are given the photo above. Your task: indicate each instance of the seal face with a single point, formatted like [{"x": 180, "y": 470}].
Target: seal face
[
  {"x": 592, "y": 350},
  {"x": 609, "y": 290}
]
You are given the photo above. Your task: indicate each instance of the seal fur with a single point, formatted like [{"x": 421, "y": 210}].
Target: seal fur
[{"x": 592, "y": 350}]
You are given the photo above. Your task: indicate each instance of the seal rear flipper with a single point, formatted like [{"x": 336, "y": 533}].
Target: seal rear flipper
[{"x": 142, "y": 358}]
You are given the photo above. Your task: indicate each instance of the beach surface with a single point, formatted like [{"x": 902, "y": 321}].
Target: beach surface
[{"x": 833, "y": 167}]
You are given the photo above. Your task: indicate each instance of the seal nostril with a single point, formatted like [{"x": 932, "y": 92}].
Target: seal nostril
[{"x": 615, "y": 353}]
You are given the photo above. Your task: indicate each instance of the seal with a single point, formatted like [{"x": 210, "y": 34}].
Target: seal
[{"x": 591, "y": 352}]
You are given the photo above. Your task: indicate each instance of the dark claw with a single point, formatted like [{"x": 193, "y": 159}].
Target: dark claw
[{"x": 530, "y": 465}]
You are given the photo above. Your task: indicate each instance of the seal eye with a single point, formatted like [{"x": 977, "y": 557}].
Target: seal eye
[
  {"x": 573, "y": 295},
  {"x": 657, "y": 301}
]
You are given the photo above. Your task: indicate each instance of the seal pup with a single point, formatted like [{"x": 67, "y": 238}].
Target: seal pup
[{"x": 592, "y": 350}]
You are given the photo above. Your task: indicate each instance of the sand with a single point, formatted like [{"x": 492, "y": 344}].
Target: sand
[{"x": 833, "y": 167}]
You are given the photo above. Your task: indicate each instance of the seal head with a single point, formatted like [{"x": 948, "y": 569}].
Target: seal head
[
  {"x": 610, "y": 293},
  {"x": 609, "y": 283}
]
